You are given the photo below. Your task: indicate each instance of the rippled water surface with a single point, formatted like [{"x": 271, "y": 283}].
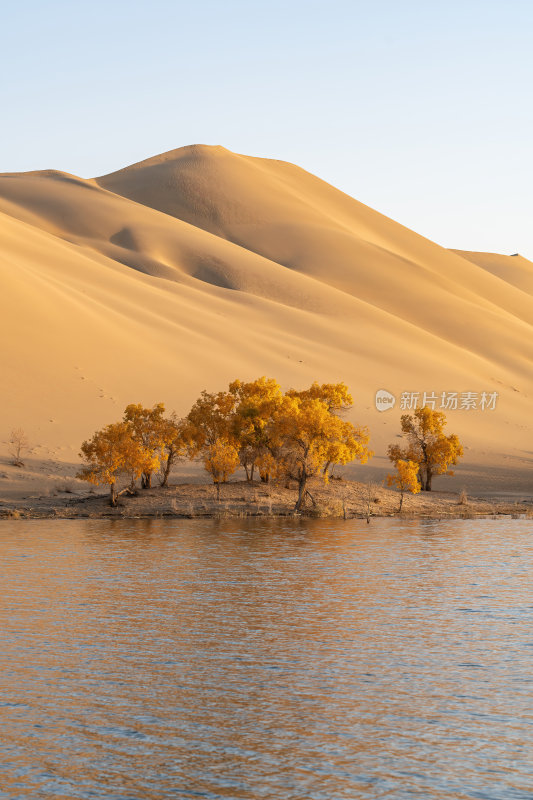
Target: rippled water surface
[{"x": 315, "y": 660}]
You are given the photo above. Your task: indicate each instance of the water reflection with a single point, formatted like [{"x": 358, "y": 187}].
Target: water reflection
[{"x": 266, "y": 659}]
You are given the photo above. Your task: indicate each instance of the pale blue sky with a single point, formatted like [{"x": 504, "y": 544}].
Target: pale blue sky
[{"x": 421, "y": 109}]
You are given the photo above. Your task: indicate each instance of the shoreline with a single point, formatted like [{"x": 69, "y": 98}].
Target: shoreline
[
  {"x": 29, "y": 515},
  {"x": 340, "y": 499}
]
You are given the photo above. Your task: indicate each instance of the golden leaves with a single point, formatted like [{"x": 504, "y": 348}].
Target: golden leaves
[
  {"x": 406, "y": 479},
  {"x": 297, "y": 434},
  {"x": 427, "y": 444},
  {"x": 221, "y": 461}
]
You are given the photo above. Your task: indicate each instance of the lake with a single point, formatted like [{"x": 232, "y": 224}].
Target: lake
[{"x": 280, "y": 659}]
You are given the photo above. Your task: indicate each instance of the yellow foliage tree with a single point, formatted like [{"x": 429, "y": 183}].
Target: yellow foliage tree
[
  {"x": 255, "y": 405},
  {"x": 175, "y": 444},
  {"x": 111, "y": 452},
  {"x": 210, "y": 420},
  {"x": 221, "y": 461},
  {"x": 427, "y": 445},
  {"x": 312, "y": 437},
  {"x": 406, "y": 479},
  {"x": 148, "y": 428},
  {"x": 297, "y": 434},
  {"x": 267, "y": 465},
  {"x": 336, "y": 396}
]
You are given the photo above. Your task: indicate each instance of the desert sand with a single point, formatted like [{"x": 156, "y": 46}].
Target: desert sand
[{"x": 200, "y": 265}]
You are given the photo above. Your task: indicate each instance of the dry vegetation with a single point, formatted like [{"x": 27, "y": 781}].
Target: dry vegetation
[
  {"x": 291, "y": 441},
  {"x": 340, "y": 499},
  {"x": 282, "y": 437}
]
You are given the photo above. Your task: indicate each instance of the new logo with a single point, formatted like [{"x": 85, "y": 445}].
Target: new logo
[{"x": 384, "y": 400}]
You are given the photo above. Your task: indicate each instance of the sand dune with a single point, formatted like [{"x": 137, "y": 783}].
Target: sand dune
[
  {"x": 514, "y": 269},
  {"x": 200, "y": 265}
]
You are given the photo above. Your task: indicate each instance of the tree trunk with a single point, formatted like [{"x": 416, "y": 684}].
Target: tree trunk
[
  {"x": 401, "y": 502},
  {"x": 112, "y": 495},
  {"x": 429, "y": 474},
  {"x": 301, "y": 493},
  {"x": 312, "y": 499},
  {"x": 168, "y": 467},
  {"x": 245, "y": 465},
  {"x": 252, "y": 472},
  {"x": 217, "y": 484}
]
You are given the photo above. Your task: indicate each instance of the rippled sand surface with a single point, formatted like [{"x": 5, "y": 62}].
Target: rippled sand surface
[{"x": 294, "y": 660}]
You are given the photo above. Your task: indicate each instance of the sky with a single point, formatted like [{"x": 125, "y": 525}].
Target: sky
[{"x": 419, "y": 108}]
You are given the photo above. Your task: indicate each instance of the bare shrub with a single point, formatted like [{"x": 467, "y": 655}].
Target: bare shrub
[
  {"x": 18, "y": 444},
  {"x": 369, "y": 498},
  {"x": 463, "y": 498},
  {"x": 326, "y": 508}
]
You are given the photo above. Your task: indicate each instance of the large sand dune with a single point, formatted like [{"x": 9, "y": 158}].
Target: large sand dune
[{"x": 200, "y": 265}]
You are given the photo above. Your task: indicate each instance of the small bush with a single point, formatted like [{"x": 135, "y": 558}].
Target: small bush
[
  {"x": 18, "y": 444},
  {"x": 64, "y": 488},
  {"x": 327, "y": 508},
  {"x": 463, "y": 498}
]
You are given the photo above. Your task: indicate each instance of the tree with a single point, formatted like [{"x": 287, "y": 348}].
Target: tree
[
  {"x": 18, "y": 444},
  {"x": 406, "y": 480},
  {"x": 255, "y": 406},
  {"x": 210, "y": 420},
  {"x": 174, "y": 445},
  {"x": 267, "y": 466},
  {"x": 148, "y": 428},
  {"x": 311, "y": 437},
  {"x": 336, "y": 396},
  {"x": 221, "y": 461},
  {"x": 111, "y": 452},
  {"x": 427, "y": 445}
]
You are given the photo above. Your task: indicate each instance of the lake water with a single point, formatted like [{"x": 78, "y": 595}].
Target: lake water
[{"x": 309, "y": 660}]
